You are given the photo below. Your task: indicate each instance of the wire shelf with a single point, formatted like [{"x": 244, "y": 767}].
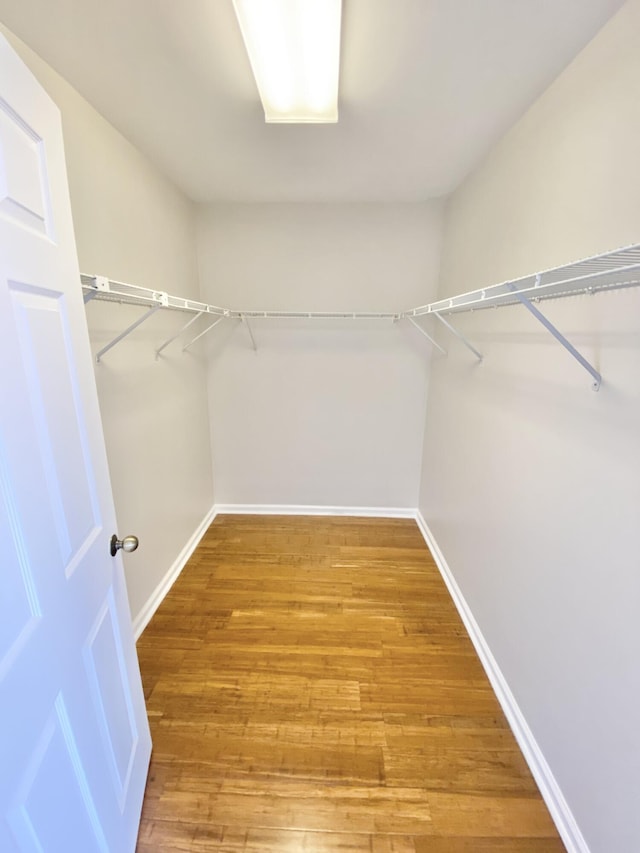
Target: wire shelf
[
  {"x": 315, "y": 315},
  {"x": 609, "y": 271}
]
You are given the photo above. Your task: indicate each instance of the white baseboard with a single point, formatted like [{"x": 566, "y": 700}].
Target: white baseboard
[
  {"x": 549, "y": 788},
  {"x": 157, "y": 596},
  {"x": 302, "y": 509}
]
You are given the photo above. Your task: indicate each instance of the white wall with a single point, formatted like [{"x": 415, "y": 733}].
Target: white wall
[
  {"x": 132, "y": 225},
  {"x": 329, "y": 414},
  {"x": 531, "y": 481}
]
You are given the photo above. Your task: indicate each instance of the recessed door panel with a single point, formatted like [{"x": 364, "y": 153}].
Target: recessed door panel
[
  {"x": 53, "y": 810},
  {"x": 114, "y": 711},
  {"x": 43, "y": 333},
  {"x": 23, "y": 186},
  {"x": 19, "y": 609}
]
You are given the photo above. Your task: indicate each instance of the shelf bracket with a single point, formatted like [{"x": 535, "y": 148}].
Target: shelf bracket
[
  {"x": 177, "y": 334},
  {"x": 127, "y": 331},
  {"x": 197, "y": 337},
  {"x": 597, "y": 378},
  {"x": 247, "y": 324},
  {"x": 458, "y": 335},
  {"x": 426, "y": 334}
]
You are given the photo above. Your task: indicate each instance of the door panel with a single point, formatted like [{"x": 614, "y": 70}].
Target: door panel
[
  {"x": 19, "y": 609},
  {"x": 43, "y": 332},
  {"x": 113, "y": 707},
  {"x": 24, "y": 188},
  {"x": 52, "y": 808},
  {"x": 74, "y": 737}
]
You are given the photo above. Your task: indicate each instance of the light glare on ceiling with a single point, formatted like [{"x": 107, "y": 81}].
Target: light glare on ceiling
[{"x": 294, "y": 50}]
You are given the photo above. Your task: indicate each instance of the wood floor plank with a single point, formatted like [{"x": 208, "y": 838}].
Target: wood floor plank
[
  {"x": 488, "y": 845},
  {"x": 310, "y": 687}
]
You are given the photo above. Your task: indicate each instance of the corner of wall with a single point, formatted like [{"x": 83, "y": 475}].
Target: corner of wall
[{"x": 552, "y": 794}]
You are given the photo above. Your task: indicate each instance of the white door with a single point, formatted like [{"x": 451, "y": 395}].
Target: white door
[{"x": 74, "y": 737}]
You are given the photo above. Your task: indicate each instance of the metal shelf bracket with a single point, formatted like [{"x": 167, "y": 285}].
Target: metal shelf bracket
[
  {"x": 459, "y": 335},
  {"x": 597, "y": 378},
  {"x": 133, "y": 326},
  {"x": 177, "y": 334},
  {"x": 427, "y": 335},
  {"x": 248, "y": 325},
  {"x": 202, "y": 334}
]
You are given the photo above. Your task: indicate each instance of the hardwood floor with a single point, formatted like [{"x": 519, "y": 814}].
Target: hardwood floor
[{"x": 311, "y": 688}]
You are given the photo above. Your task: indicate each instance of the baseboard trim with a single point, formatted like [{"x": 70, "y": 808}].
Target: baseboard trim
[
  {"x": 303, "y": 509},
  {"x": 558, "y": 807},
  {"x": 157, "y": 596}
]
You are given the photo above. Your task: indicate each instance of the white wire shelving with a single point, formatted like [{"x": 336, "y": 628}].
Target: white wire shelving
[
  {"x": 107, "y": 290},
  {"x": 617, "y": 269},
  {"x": 609, "y": 271}
]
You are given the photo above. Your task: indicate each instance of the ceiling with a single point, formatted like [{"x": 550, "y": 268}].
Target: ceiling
[{"x": 426, "y": 88}]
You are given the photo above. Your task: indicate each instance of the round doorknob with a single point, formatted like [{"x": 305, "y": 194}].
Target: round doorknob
[{"x": 129, "y": 543}]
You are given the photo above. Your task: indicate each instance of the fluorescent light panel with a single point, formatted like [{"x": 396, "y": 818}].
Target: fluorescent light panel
[{"x": 294, "y": 50}]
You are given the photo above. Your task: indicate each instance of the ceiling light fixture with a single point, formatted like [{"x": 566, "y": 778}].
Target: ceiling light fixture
[{"x": 294, "y": 50}]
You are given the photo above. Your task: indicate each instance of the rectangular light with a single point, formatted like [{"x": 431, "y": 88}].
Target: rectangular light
[{"x": 294, "y": 50}]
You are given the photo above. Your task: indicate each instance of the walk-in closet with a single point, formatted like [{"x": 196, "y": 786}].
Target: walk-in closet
[{"x": 320, "y": 438}]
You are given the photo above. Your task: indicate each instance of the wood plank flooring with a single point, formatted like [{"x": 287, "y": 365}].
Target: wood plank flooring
[{"x": 311, "y": 688}]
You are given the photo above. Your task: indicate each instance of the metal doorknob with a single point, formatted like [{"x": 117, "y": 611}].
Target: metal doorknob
[{"x": 129, "y": 543}]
